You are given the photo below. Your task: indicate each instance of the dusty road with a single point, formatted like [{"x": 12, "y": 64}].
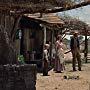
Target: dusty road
[{"x": 56, "y": 81}]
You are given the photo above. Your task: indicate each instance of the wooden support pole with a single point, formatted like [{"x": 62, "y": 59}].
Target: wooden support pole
[
  {"x": 51, "y": 44},
  {"x": 44, "y": 35},
  {"x": 44, "y": 39},
  {"x": 86, "y": 47}
]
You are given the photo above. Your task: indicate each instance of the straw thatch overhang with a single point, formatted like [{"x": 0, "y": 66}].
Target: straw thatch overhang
[
  {"x": 51, "y": 21},
  {"x": 35, "y": 6},
  {"x": 32, "y": 5}
]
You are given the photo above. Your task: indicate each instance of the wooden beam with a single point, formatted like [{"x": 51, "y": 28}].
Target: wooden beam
[
  {"x": 61, "y": 9},
  {"x": 44, "y": 35},
  {"x": 15, "y": 27}
]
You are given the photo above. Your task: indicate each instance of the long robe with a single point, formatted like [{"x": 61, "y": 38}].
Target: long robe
[{"x": 59, "y": 60}]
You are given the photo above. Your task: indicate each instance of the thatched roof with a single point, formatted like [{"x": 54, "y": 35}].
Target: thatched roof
[
  {"x": 33, "y": 2},
  {"x": 33, "y": 6},
  {"x": 49, "y": 20}
]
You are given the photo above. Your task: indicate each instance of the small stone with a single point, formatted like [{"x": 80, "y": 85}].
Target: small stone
[{"x": 56, "y": 88}]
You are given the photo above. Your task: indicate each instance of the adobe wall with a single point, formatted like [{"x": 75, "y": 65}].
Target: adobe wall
[{"x": 17, "y": 77}]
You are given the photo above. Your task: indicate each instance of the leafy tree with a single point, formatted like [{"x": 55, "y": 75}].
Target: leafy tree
[{"x": 74, "y": 24}]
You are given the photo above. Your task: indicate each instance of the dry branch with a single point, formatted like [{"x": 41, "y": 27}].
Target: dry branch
[
  {"x": 26, "y": 8},
  {"x": 58, "y": 9}
]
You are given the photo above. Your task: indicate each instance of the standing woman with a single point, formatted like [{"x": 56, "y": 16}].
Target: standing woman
[{"x": 59, "y": 61}]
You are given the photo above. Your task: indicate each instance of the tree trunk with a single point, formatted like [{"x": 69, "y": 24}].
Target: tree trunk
[{"x": 7, "y": 51}]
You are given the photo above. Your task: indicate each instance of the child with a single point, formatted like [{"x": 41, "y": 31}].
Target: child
[{"x": 45, "y": 60}]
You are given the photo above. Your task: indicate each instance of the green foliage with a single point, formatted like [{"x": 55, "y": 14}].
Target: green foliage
[{"x": 21, "y": 59}]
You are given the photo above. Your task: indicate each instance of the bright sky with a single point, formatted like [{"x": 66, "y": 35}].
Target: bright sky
[{"x": 81, "y": 13}]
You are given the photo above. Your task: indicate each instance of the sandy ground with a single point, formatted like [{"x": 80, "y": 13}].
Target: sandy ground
[{"x": 55, "y": 81}]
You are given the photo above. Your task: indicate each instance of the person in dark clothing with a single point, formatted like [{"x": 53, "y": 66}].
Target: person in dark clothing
[{"x": 75, "y": 49}]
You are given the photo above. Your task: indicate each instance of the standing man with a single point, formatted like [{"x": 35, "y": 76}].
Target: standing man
[{"x": 75, "y": 49}]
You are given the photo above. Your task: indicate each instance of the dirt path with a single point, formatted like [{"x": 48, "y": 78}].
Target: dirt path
[{"x": 56, "y": 82}]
